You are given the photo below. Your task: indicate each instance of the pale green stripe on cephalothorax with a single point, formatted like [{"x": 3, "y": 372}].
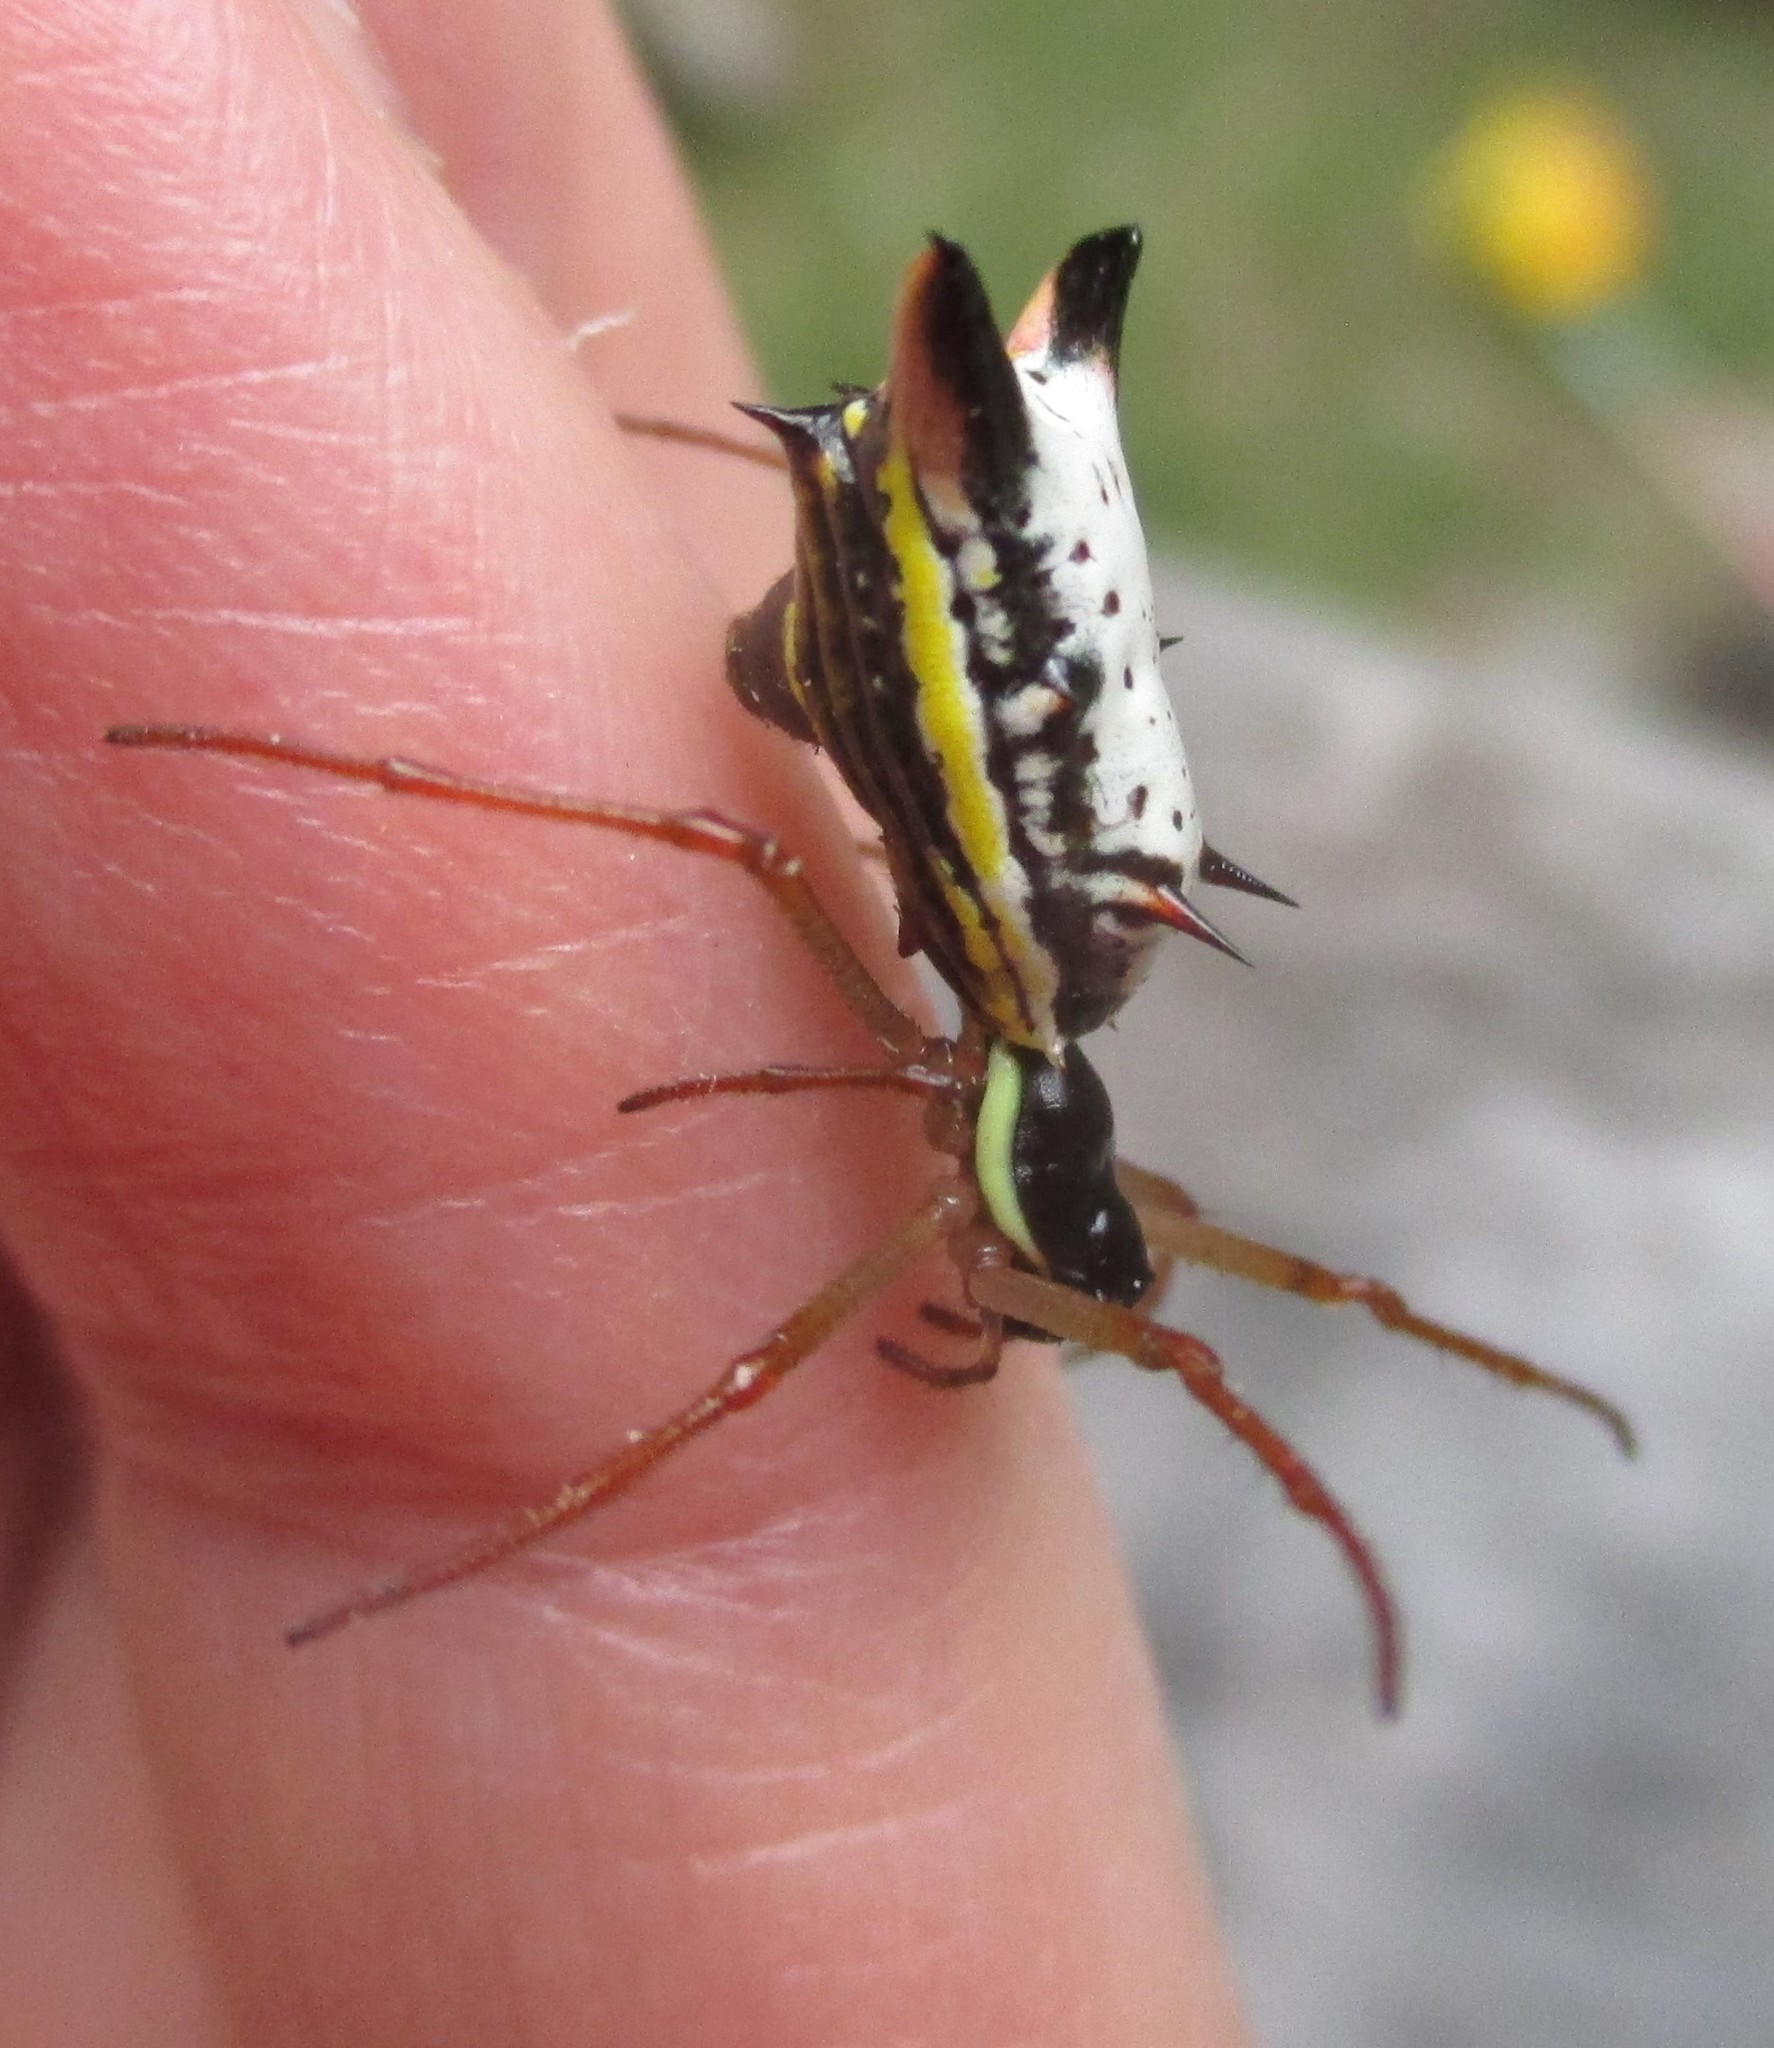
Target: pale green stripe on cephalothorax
[{"x": 994, "y": 1146}]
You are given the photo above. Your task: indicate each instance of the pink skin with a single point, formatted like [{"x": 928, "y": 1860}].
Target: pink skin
[{"x": 840, "y": 1730}]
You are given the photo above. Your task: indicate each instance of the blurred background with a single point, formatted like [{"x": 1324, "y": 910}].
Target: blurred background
[
  {"x": 1447, "y": 390},
  {"x": 1316, "y": 385}
]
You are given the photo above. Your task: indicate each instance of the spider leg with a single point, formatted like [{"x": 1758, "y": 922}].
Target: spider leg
[
  {"x": 987, "y": 1333},
  {"x": 777, "y": 871},
  {"x": 1175, "y": 1229},
  {"x": 1069, "y": 1315},
  {"x": 913, "y": 1080},
  {"x": 983, "y": 1366},
  {"x": 741, "y": 1384},
  {"x": 949, "y": 1321},
  {"x": 649, "y": 428}
]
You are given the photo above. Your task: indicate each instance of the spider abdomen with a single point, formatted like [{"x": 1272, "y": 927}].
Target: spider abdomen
[{"x": 970, "y": 633}]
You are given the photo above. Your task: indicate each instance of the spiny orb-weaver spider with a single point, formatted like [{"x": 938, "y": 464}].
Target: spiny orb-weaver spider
[{"x": 968, "y": 632}]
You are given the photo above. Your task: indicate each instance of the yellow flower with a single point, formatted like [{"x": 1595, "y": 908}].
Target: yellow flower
[{"x": 1543, "y": 197}]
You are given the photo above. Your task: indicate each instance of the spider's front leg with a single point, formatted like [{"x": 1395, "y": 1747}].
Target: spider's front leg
[
  {"x": 917, "y": 1064},
  {"x": 947, "y": 1080},
  {"x": 742, "y": 1384},
  {"x": 765, "y": 859}
]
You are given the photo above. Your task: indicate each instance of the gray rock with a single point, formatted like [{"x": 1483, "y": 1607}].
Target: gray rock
[{"x": 1514, "y": 1054}]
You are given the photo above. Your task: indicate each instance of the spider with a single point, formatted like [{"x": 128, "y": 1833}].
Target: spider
[{"x": 968, "y": 632}]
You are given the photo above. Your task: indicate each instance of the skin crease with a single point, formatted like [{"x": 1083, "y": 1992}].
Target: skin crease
[{"x": 841, "y": 1730}]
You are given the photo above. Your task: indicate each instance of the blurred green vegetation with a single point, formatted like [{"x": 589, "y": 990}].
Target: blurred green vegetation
[{"x": 1306, "y": 391}]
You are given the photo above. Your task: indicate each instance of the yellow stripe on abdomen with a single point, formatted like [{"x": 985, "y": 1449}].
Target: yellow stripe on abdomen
[{"x": 1017, "y": 970}]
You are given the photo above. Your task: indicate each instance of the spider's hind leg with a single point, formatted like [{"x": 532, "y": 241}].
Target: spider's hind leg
[
  {"x": 1175, "y": 1229},
  {"x": 1067, "y": 1315}
]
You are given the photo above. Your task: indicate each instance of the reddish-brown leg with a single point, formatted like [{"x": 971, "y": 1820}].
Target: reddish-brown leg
[
  {"x": 1175, "y": 1229},
  {"x": 704, "y": 832},
  {"x": 743, "y": 1383},
  {"x": 913, "y": 1080},
  {"x": 988, "y": 1333},
  {"x": 921, "y": 1080},
  {"x": 1076, "y": 1318},
  {"x": 982, "y": 1366},
  {"x": 949, "y": 1321}
]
